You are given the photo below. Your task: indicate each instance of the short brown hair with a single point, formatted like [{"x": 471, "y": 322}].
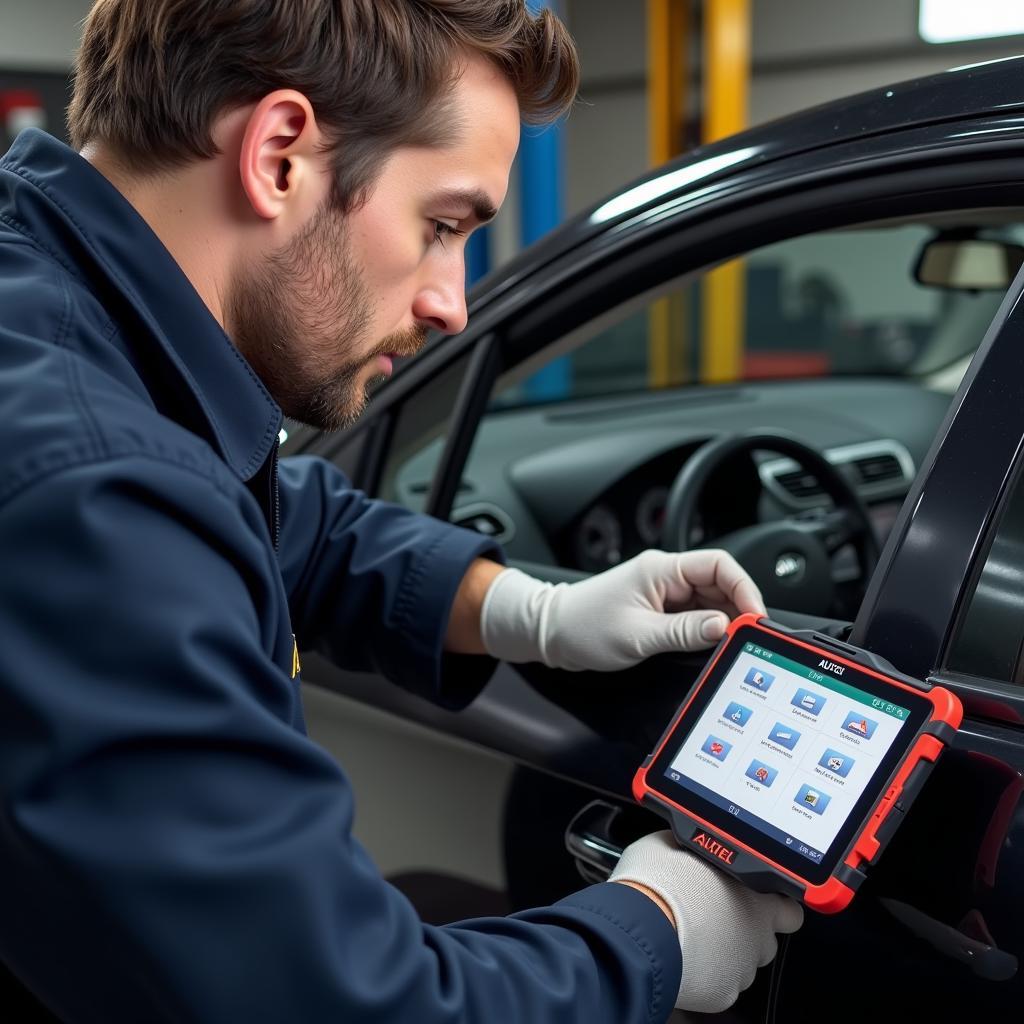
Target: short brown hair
[{"x": 152, "y": 76}]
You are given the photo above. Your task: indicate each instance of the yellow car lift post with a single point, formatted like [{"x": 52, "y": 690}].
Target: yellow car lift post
[
  {"x": 668, "y": 38},
  {"x": 726, "y": 66},
  {"x": 726, "y": 92}
]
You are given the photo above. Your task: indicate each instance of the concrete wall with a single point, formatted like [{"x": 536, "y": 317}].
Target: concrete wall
[{"x": 804, "y": 52}]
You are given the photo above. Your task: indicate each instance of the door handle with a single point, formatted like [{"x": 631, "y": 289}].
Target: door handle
[
  {"x": 591, "y": 838},
  {"x": 985, "y": 960}
]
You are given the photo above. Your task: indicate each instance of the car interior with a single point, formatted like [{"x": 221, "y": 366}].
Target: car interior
[{"x": 845, "y": 346}]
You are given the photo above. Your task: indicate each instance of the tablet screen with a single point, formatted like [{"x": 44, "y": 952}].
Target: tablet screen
[{"x": 788, "y": 746}]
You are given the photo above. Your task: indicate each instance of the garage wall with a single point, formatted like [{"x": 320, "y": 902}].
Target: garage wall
[
  {"x": 40, "y": 34},
  {"x": 807, "y": 52},
  {"x": 804, "y": 52}
]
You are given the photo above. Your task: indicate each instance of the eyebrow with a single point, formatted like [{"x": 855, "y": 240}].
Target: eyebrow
[{"x": 476, "y": 199}]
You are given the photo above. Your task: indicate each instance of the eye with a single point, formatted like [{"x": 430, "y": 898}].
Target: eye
[{"x": 442, "y": 230}]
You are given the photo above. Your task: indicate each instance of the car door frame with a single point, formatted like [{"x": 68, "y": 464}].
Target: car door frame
[{"x": 864, "y": 181}]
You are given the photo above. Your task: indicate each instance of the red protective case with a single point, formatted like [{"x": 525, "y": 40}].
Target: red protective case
[{"x": 904, "y": 783}]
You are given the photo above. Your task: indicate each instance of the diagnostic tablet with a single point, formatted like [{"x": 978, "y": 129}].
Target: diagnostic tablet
[{"x": 793, "y": 759}]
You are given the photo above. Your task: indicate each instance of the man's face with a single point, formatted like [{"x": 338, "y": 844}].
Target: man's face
[{"x": 326, "y": 314}]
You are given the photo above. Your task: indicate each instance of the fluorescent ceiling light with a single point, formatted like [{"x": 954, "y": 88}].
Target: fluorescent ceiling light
[{"x": 949, "y": 21}]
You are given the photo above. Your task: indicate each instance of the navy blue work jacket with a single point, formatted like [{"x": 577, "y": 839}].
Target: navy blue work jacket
[{"x": 173, "y": 847}]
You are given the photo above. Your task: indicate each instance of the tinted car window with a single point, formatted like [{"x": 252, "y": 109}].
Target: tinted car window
[
  {"x": 841, "y": 346},
  {"x": 828, "y": 304},
  {"x": 990, "y": 640}
]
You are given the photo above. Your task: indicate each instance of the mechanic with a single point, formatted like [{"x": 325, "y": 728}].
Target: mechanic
[{"x": 269, "y": 205}]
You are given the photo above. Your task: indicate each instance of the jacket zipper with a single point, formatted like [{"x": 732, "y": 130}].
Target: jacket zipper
[{"x": 275, "y": 530}]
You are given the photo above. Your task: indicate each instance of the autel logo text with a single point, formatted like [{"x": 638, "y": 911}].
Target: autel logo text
[
  {"x": 831, "y": 666},
  {"x": 714, "y": 847}
]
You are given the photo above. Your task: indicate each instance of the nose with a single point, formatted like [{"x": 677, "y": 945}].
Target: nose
[{"x": 441, "y": 304}]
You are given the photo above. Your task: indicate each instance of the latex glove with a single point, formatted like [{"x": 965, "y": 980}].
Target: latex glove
[
  {"x": 726, "y": 931},
  {"x": 653, "y": 603}
]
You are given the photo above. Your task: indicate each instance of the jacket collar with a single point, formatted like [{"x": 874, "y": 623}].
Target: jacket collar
[{"x": 72, "y": 209}]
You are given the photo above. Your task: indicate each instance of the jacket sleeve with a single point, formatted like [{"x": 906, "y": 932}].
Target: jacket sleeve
[
  {"x": 172, "y": 849},
  {"x": 371, "y": 584}
]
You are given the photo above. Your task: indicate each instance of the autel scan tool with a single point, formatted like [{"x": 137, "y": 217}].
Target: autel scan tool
[{"x": 793, "y": 758}]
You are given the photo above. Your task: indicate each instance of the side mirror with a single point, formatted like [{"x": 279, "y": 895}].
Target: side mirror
[{"x": 968, "y": 264}]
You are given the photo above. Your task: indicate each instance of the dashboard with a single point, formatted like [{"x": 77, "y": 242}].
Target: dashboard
[
  {"x": 630, "y": 516},
  {"x": 583, "y": 484}
]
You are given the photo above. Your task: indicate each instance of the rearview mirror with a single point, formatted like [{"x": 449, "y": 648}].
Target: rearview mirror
[{"x": 968, "y": 264}]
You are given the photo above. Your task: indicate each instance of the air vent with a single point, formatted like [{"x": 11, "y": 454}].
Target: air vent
[
  {"x": 877, "y": 469},
  {"x": 485, "y": 519},
  {"x": 800, "y": 484},
  {"x": 482, "y": 522}
]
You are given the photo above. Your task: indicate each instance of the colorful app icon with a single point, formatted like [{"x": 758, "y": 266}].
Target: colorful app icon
[
  {"x": 761, "y": 773},
  {"x": 717, "y": 748},
  {"x": 737, "y": 714},
  {"x": 812, "y": 799},
  {"x": 837, "y": 763},
  {"x": 759, "y": 679},
  {"x": 859, "y": 725},
  {"x": 785, "y": 735},
  {"x": 808, "y": 701}
]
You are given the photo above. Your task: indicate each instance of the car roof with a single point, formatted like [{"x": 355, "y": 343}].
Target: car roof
[{"x": 976, "y": 90}]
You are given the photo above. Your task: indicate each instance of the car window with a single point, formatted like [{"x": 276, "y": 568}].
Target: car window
[
  {"x": 829, "y": 304},
  {"x": 989, "y": 642},
  {"x": 836, "y": 328},
  {"x": 841, "y": 344}
]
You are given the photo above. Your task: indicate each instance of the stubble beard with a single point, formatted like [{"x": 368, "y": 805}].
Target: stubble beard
[{"x": 301, "y": 320}]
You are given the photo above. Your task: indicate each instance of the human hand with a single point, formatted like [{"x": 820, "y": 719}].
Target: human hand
[
  {"x": 655, "y": 602},
  {"x": 726, "y": 931}
]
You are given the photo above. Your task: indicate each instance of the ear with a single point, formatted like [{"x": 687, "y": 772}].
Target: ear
[{"x": 281, "y": 159}]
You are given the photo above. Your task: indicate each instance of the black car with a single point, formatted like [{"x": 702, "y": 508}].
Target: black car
[{"x": 842, "y": 283}]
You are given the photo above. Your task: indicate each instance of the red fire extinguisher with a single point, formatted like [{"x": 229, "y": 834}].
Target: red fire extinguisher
[{"x": 20, "y": 109}]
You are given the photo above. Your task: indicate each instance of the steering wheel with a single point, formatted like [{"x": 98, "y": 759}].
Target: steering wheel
[{"x": 790, "y": 559}]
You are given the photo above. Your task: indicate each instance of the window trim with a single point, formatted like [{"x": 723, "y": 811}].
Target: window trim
[{"x": 482, "y": 371}]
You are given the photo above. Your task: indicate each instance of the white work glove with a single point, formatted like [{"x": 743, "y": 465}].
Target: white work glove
[
  {"x": 653, "y": 603},
  {"x": 726, "y": 931}
]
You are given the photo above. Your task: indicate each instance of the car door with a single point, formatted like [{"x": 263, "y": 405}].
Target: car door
[
  {"x": 947, "y": 604},
  {"x": 443, "y": 425}
]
